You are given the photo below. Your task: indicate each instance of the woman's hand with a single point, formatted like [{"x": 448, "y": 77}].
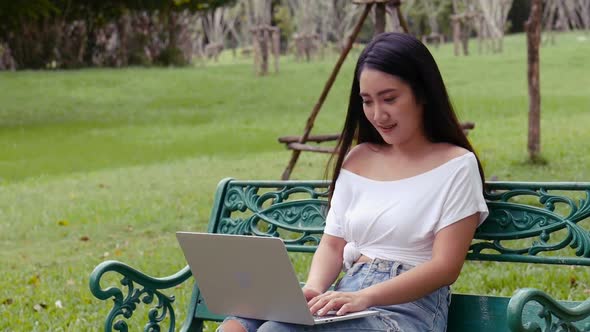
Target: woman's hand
[
  {"x": 341, "y": 302},
  {"x": 310, "y": 293}
]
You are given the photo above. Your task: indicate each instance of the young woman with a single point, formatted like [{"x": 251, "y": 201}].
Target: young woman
[{"x": 405, "y": 200}]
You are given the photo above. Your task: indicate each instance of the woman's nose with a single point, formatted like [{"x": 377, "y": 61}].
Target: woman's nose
[{"x": 380, "y": 114}]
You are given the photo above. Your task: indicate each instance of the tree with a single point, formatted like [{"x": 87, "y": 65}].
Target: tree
[
  {"x": 495, "y": 14},
  {"x": 307, "y": 17},
  {"x": 518, "y": 15},
  {"x": 217, "y": 24},
  {"x": 265, "y": 39},
  {"x": 342, "y": 16},
  {"x": 533, "y": 31},
  {"x": 565, "y": 15},
  {"x": 464, "y": 15},
  {"x": 23, "y": 29},
  {"x": 432, "y": 9},
  {"x": 584, "y": 12},
  {"x": 34, "y": 30}
]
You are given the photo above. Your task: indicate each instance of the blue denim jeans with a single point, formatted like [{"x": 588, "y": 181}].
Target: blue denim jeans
[{"x": 426, "y": 314}]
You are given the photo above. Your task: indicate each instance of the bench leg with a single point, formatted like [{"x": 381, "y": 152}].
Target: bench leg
[
  {"x": 196, "y": 325},
  {"x": 192, "y": 324}
]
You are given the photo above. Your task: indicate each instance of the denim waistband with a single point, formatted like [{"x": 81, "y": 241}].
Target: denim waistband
[{"x": 380, "y": 265}]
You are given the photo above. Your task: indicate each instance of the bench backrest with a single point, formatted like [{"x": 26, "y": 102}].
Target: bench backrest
[{"x": 528, "y": 222}]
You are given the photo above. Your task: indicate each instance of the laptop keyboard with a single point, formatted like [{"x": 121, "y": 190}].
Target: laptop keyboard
[{"x": 327, "y": 315}]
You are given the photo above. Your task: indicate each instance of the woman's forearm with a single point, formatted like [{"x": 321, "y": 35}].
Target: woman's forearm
[
  {"x": 409, "y": 286},
  {"x": 326, "y": 265}
]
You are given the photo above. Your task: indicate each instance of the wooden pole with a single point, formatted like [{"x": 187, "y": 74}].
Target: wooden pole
[
  {"x": 324, "y": 94},
  {"x": 312, "y": 138},
  {"x": 533, "y": 33},
  {"x": 304, "y": 147}
]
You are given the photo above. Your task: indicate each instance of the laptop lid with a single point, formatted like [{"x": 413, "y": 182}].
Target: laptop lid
[
  {"x": 245, "y": 276},
  {"x": 251, "y": 277}
]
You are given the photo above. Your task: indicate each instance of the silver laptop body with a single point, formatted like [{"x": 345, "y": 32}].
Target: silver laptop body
[{"x": 251, "y": 277}]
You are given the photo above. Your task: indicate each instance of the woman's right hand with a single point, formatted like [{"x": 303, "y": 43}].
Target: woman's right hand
[{"x": 310, "y": 293}]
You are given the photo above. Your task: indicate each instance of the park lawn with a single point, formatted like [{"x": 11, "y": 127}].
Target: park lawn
[{"x": 107, "y": 164}]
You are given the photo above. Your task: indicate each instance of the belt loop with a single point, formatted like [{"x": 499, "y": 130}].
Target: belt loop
[
  {"x": 371, "y": 265},
  {"x": 395, "y": 269}
]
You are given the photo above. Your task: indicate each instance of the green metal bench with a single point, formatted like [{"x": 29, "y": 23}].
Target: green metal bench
[{"x": 529, "y": 223}]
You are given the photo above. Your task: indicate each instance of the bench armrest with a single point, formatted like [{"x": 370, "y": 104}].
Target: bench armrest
[
  {"x": 564, "y": 316},
  {"x": 124, "y": 305}
]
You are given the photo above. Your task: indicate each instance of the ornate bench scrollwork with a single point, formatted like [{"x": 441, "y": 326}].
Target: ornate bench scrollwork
[
  {"x": 294, "y": 213},
  {"x": 125, "y": 305},
  {"x": 555, "y": 315},
  {"x": 545, "y": 228}
]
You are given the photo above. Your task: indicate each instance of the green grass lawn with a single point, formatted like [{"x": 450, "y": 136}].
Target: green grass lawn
[{"x": 107, "y": 164}]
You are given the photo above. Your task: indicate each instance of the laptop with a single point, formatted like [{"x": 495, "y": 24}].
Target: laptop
[{"x": 251, "y": 277}]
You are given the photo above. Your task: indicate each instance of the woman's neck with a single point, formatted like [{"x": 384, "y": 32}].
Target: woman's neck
[{"x": 417, "y": 146}]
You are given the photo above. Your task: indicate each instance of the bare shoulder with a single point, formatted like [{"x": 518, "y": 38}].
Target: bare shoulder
[
  {"x": 357, "y": 156},
  {"x": 447, "y": 151}
]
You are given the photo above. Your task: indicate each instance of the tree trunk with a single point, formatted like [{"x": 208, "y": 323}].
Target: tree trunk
[
  {"x": 456, "y": 35},
  {"x": 261, "y": 11},
  {"x": 379, "y": 18},
  {"x": 264, "y": 48},
  {"x": 533, "y": 31},
  {"x": 432, "y": 11},
  {"x": 90, "y": 39},
  {"x": 172, "y": 31},
  {"x": 480, "y": 34},
  {"x": 401, "y": 19},
  {"x": 584, "y": 11},
  {"x": 465, "y": 31},
  {"x": 495, "y": 14},
  {"x": 276, "y": 44},
  {"x": 123, "y": 28}
]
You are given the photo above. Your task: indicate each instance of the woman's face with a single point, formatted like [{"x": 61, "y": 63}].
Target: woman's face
[{"x": 391, "y": 107}]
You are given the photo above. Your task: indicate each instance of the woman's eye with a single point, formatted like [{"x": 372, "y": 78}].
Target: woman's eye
[
  {"x": 366, "y": 102},
  {"x": 389, "y": 100}
]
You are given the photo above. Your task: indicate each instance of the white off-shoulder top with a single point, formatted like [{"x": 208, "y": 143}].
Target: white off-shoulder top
[{"x": 397, "y": 220}]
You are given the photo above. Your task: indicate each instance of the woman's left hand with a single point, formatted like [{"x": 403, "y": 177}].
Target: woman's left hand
[{"x": 341, "y": 302}]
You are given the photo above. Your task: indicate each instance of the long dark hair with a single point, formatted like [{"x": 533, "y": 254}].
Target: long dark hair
[{"x": 405, "y": 57}]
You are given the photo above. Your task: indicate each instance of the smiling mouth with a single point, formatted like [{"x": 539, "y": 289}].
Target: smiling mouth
[{"x": 388, "y": 127}]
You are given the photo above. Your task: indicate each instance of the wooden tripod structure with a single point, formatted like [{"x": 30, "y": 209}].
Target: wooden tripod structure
[{"x": 298, "y": 143}]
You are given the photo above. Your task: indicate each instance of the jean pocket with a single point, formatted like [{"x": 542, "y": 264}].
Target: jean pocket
[
  {"x": 428, "y": 306},
  {"x": 389, "y": 323},
  {"x": 355, "y": 268},
  {"x": 347, "y": 283},
  {"x": 338, "y": 282}
]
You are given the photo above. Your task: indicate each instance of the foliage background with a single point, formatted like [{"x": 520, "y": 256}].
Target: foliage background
[{"x": 102, "y": 164}]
